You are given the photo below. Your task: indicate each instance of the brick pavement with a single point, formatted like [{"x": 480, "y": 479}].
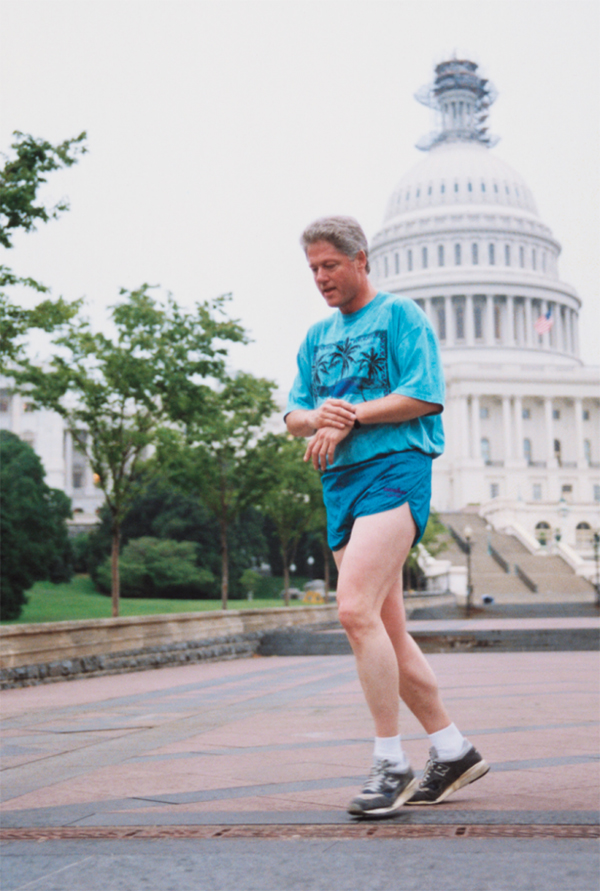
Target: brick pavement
[{"x": 287, "y": 741}]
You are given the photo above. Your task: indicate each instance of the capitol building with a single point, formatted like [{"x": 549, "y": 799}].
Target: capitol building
[{"x": 463, "y": 238}]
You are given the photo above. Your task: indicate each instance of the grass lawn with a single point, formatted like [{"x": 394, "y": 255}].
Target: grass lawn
[{"x": 79, "y": 600}]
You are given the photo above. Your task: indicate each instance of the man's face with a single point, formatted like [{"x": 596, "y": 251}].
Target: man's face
[{"x": 340, "y": 280}]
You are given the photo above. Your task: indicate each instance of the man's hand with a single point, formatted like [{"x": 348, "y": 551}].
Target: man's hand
[
  {"x": 333, "y": 413},
  {"x": 321, "y": 448}
]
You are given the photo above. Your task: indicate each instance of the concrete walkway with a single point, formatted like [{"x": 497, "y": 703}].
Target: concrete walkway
[{"x": 115, "y": 782}]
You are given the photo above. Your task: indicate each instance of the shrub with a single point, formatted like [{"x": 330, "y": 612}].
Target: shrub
[{"x": 153, "y": 567}]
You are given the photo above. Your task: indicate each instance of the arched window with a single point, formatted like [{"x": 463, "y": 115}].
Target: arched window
[
  {"x": 409, "y": 260},
  {"x": 542, "y": 532},
  {"x": 507, "y": 255},
  {"x": 397, "y": 263},
  {"x": 440, "y": 254},
  {"x": 485, "y": 450},
  {"x": 475, "y": 254},
  {"x": 583, "y": 535},
  {"x": 457, "y": 255},
  {"x": 522, "y": 257},
  {"x": 491, "y": 254},
  {"x": 424, "y": 257}
]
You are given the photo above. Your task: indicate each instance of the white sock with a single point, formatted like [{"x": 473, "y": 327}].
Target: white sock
[
  {"x": 449, "y": 743},
  {"x": 389, "y": 748}
]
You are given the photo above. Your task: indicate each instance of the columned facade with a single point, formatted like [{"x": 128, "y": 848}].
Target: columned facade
[{"x": 463, "y": 238}]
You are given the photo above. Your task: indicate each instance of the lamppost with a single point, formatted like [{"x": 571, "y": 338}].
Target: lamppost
[
  {"x": 596, "y": 541},
  {"x": 468, "y": 533}
]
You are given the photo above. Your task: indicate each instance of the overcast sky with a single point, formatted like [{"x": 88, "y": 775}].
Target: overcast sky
[{"x": 218, "y": 130}]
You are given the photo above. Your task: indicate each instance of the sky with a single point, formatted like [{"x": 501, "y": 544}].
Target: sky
[{"x": 217, "y": 130}]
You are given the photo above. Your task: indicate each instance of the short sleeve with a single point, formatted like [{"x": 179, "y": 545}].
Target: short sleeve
[
  {"x": 419, "y": 366},
  {"x": 301, "y": 395}
]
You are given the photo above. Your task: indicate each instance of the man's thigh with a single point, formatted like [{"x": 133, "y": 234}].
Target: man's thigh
[{"x": 370, "y": 565}]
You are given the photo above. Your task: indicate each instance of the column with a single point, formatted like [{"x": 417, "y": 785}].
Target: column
[
  {"x": 469, "y": 321},
  {"x": 549, "y": 430},
  {"x": 579, "y": 452},
  {"x": 475, "y": 428},
  {"x": 559, "y": 336},
  {"x": 489, "y": 320},
  {"x": 575, "y": 333},
  {"x": 450, "y": 338},
  {"x": 68, "y": 462},
  {"x": 518, "y": 410},
  {"x": 507, "y": 429},
  {"x": 529, "y": 332},
  {"x": 463, "y": 416},
  {"x": 510, "y": 321},
  {"x": 427, "y": 306}
]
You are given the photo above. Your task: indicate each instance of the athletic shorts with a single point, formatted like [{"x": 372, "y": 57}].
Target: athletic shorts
[{"x": 374, "y": 486}]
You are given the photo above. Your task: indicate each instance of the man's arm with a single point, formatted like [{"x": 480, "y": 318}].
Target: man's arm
[
  {"x": 333, "y": 413},
  {"x": 392, "y": 409}
]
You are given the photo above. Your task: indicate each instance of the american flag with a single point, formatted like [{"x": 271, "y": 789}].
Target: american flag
[{"x": 544, "y": 323}]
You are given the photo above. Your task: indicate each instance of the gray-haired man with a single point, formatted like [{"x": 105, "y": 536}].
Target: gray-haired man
[{"x": 369, "y": 394}]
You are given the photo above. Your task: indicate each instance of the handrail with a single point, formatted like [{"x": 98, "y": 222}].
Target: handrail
[
  {"x": 529, "y": 583},
  {"x": 460, "y": 541},
  {"x": 499, "y": 558}
]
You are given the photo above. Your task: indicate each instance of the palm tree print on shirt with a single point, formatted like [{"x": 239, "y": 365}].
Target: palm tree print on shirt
[{"x": 352, "y": 366}]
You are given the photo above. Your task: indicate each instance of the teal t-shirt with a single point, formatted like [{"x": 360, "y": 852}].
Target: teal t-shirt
[{"x": 386, "y": 347}]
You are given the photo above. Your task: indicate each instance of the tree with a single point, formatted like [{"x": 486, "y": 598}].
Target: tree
[
  {"x": 33, "y": 534},
  {"x": 293, "y": 501},
  {"x": 114, "y": 394},
  {"x": 217, "y": 456},
  {"x": 20, "y": 180}
]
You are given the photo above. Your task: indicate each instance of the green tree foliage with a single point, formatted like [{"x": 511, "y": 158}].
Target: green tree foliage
[
  {"x": 160, "y": 511},
  {"x": 113, "y": 393},
  {"x": 21, "y": 178},
  {"x": 293, "y": 500},
  {"x": 152, "y": 567},
  {"x": 217, "y": 458},
  {"x": 33, "y": 535}
]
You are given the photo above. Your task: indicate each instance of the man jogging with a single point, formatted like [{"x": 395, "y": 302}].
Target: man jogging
[{"x": 369, "y": 392}]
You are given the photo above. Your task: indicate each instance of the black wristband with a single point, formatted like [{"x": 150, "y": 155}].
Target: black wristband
[{"x": 357, "y": 424}]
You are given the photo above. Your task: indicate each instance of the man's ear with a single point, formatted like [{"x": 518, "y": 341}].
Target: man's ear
[{"x": 361, "y": 259}]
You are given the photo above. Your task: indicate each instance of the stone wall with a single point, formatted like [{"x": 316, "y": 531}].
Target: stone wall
[{"x": 31, "y": 654}]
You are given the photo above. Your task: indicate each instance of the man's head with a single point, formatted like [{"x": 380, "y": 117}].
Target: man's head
[
  {"x": 336, "y": 250},
  {"x": 344, "y": 233}
]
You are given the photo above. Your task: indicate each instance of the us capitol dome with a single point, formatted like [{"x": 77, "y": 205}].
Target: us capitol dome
[{"x": 462, "y": 237}]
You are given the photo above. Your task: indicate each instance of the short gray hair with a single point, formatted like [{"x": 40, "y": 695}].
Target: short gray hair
[{"x": 344, "y": 233}]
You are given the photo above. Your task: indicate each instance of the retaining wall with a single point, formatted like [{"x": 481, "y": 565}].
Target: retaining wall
[{"x": 35, "y": 653}]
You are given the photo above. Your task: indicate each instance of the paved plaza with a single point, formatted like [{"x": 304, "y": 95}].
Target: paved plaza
[{"x": 236, "y": 776}]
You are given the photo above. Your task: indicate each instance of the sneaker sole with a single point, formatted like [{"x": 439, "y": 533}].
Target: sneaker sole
[
  {"x": 473, "y": 773},
  {"x": 381, "y": 812}
]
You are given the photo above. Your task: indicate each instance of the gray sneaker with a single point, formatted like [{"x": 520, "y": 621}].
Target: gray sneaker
[
  {"x": 442, "y": 778},
  {"x": 385, "y": 791}
]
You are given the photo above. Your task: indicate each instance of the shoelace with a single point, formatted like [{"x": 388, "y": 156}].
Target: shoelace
[{"x": 376, "y": 773}]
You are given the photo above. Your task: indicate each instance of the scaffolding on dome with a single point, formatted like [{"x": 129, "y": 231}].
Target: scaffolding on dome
[{"x": 461, "y": 99}]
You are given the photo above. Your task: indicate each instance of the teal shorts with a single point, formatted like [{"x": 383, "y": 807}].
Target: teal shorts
[{"x": 374, "y": 486}]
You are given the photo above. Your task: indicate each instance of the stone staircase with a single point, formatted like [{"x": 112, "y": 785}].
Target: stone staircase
[{"x": 554, "y": 579}]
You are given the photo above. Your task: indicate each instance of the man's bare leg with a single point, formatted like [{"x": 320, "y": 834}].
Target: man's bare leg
[{"x": 371, "y": 611}]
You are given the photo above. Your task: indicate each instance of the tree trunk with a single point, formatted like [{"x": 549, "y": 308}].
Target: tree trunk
[
  {"x": 114, "y": 567},
  {"x": 224, "y": 567}
]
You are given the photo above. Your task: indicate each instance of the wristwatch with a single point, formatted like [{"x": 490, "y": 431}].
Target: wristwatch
[{"x": 357, "y": 424}]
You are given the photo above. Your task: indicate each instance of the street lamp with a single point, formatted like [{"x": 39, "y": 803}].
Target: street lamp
[{"x": 468, "y": 533}]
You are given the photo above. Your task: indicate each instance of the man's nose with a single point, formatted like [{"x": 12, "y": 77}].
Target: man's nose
[{"x": 321, "y": 275}]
